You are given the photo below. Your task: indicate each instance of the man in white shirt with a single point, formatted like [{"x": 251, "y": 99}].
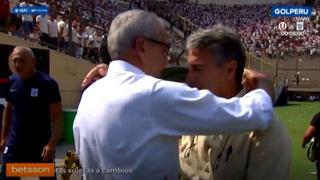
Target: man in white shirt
[
  {"x": 96, "y": 40},
  {"x": 73, "y": 44},
  {"x": 86, "y": 46},
  {"x": 34, "y": 36},
  {"x": 90, "y": 31},
  {"x": 81, "y": 38},
  {"x": 27, "y": 20},
  {"x": 62, "y": 33},
  {"x": 53, "y": 32},
  {"x": 42, "y": 23},
  {"x": 137, "y": 119}
]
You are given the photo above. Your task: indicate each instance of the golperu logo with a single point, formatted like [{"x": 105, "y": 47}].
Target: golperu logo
[{"x": 291, "y": 11}]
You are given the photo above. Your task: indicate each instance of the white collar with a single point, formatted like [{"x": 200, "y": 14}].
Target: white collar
[{"x": 117, "y": 66}]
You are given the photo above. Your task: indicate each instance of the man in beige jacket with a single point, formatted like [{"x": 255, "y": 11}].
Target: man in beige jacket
[{"x": 216, "y": 61}]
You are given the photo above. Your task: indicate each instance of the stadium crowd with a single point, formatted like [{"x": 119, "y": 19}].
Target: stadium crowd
[
  {"x": 88, "y": 28},
  {"x": 91, "y": 19},
  {"x": 259, "y": 31}
]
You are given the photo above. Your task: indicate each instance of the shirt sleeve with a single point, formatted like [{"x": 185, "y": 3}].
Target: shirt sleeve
[
  {"x": 181, "y": 110},
  {"x": 315, "y": 120},
  {"x": 54, "y": 93}
]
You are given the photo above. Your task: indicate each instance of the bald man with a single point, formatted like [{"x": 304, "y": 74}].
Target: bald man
[{"x": 33, "y": 108}]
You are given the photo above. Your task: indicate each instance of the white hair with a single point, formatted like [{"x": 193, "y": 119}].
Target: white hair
[
  {"x": 128, "y": 26},
  {"x": 24, "y": 50}
]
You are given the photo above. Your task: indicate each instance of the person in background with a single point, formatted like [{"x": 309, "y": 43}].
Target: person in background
[
  {"x": 80, "y": 36},
  {"x": 90, "y": 28},
  {"x": 4, "y": 15},
  {"x": 96, "y": 45},
  {"x": 35, "y": 35},
  {"x": 42, "y": 24},
  {"x": 62, "y": 33},
  {"x": 313, "y": 131},
  {"x": 27, "y": 20},
  {"x": 13, "y": 22},
  {"x": 104, "y": 53},
  {"x": 73, "y": 45},
  {"x": 53, "y": 32},
  {"x": 88, "y": 45},
  {"x": 32, "y": 116}
]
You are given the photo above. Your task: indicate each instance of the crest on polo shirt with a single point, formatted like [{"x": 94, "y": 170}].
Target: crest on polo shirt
[{"x": 34, "y": 92}]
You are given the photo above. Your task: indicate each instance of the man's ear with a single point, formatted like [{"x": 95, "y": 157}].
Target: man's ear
[
  {"x": 34, "y": 62},
  {"x": 139, "y": 45},
  {"x": 231, "y": 69}
]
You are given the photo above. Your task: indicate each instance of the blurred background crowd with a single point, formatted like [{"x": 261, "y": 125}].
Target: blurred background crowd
[{"x": 79, "y": 28}]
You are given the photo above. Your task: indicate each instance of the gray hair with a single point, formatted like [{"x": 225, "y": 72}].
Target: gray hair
[
  {"x": 224, "y": 43},
  {"x": 24, "y": 50},
  {"x": 128, "y": 26}
]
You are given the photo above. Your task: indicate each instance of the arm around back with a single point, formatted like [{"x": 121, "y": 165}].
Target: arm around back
[{"x": 181, "y": 110}]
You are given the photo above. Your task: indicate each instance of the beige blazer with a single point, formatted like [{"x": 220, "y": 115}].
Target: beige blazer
[{"x": 259, "y": 155}]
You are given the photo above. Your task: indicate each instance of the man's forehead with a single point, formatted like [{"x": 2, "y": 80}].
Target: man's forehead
[
  {"x": 21, "y": 55},
  {"x": 197, "y": 56}
]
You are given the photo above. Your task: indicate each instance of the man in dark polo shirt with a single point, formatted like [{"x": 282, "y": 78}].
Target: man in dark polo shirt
[{"x": 33, "y": 113}]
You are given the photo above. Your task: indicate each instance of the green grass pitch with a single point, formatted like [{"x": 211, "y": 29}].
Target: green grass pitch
[{"x": 296, "y": 117}]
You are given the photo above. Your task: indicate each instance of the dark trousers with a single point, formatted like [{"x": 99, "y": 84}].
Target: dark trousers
[
  {"x": 53, "y": 43},
  {"x": 94, "y": 55},
  {"x": 62, "y": 45},
  {"x": 86, "y": 52},
  {"x": 72, "y": 48},
  {"x": 44, "y": 38}
]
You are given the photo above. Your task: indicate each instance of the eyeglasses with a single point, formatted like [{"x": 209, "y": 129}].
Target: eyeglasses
[{"x": 167, "y": 45}]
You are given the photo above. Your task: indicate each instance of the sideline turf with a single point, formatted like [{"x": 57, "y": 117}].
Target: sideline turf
[{"x": 296, "y": 117}]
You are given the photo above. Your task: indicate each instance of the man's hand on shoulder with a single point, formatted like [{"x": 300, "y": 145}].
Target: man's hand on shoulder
[{"x": 255, "y": 80}]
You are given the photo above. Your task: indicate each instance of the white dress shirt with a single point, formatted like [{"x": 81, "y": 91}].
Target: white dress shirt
[
  {"x": 43, "y": 23},
  {"x": 133, "y": 121},
  {"x": 52, "y": 29},
  {"x": 61, "y": 24},
  {"x": 26, "y": 17}
]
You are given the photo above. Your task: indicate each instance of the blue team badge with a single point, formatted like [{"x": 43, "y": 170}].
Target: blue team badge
[{"x": 34, "y": 92}]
